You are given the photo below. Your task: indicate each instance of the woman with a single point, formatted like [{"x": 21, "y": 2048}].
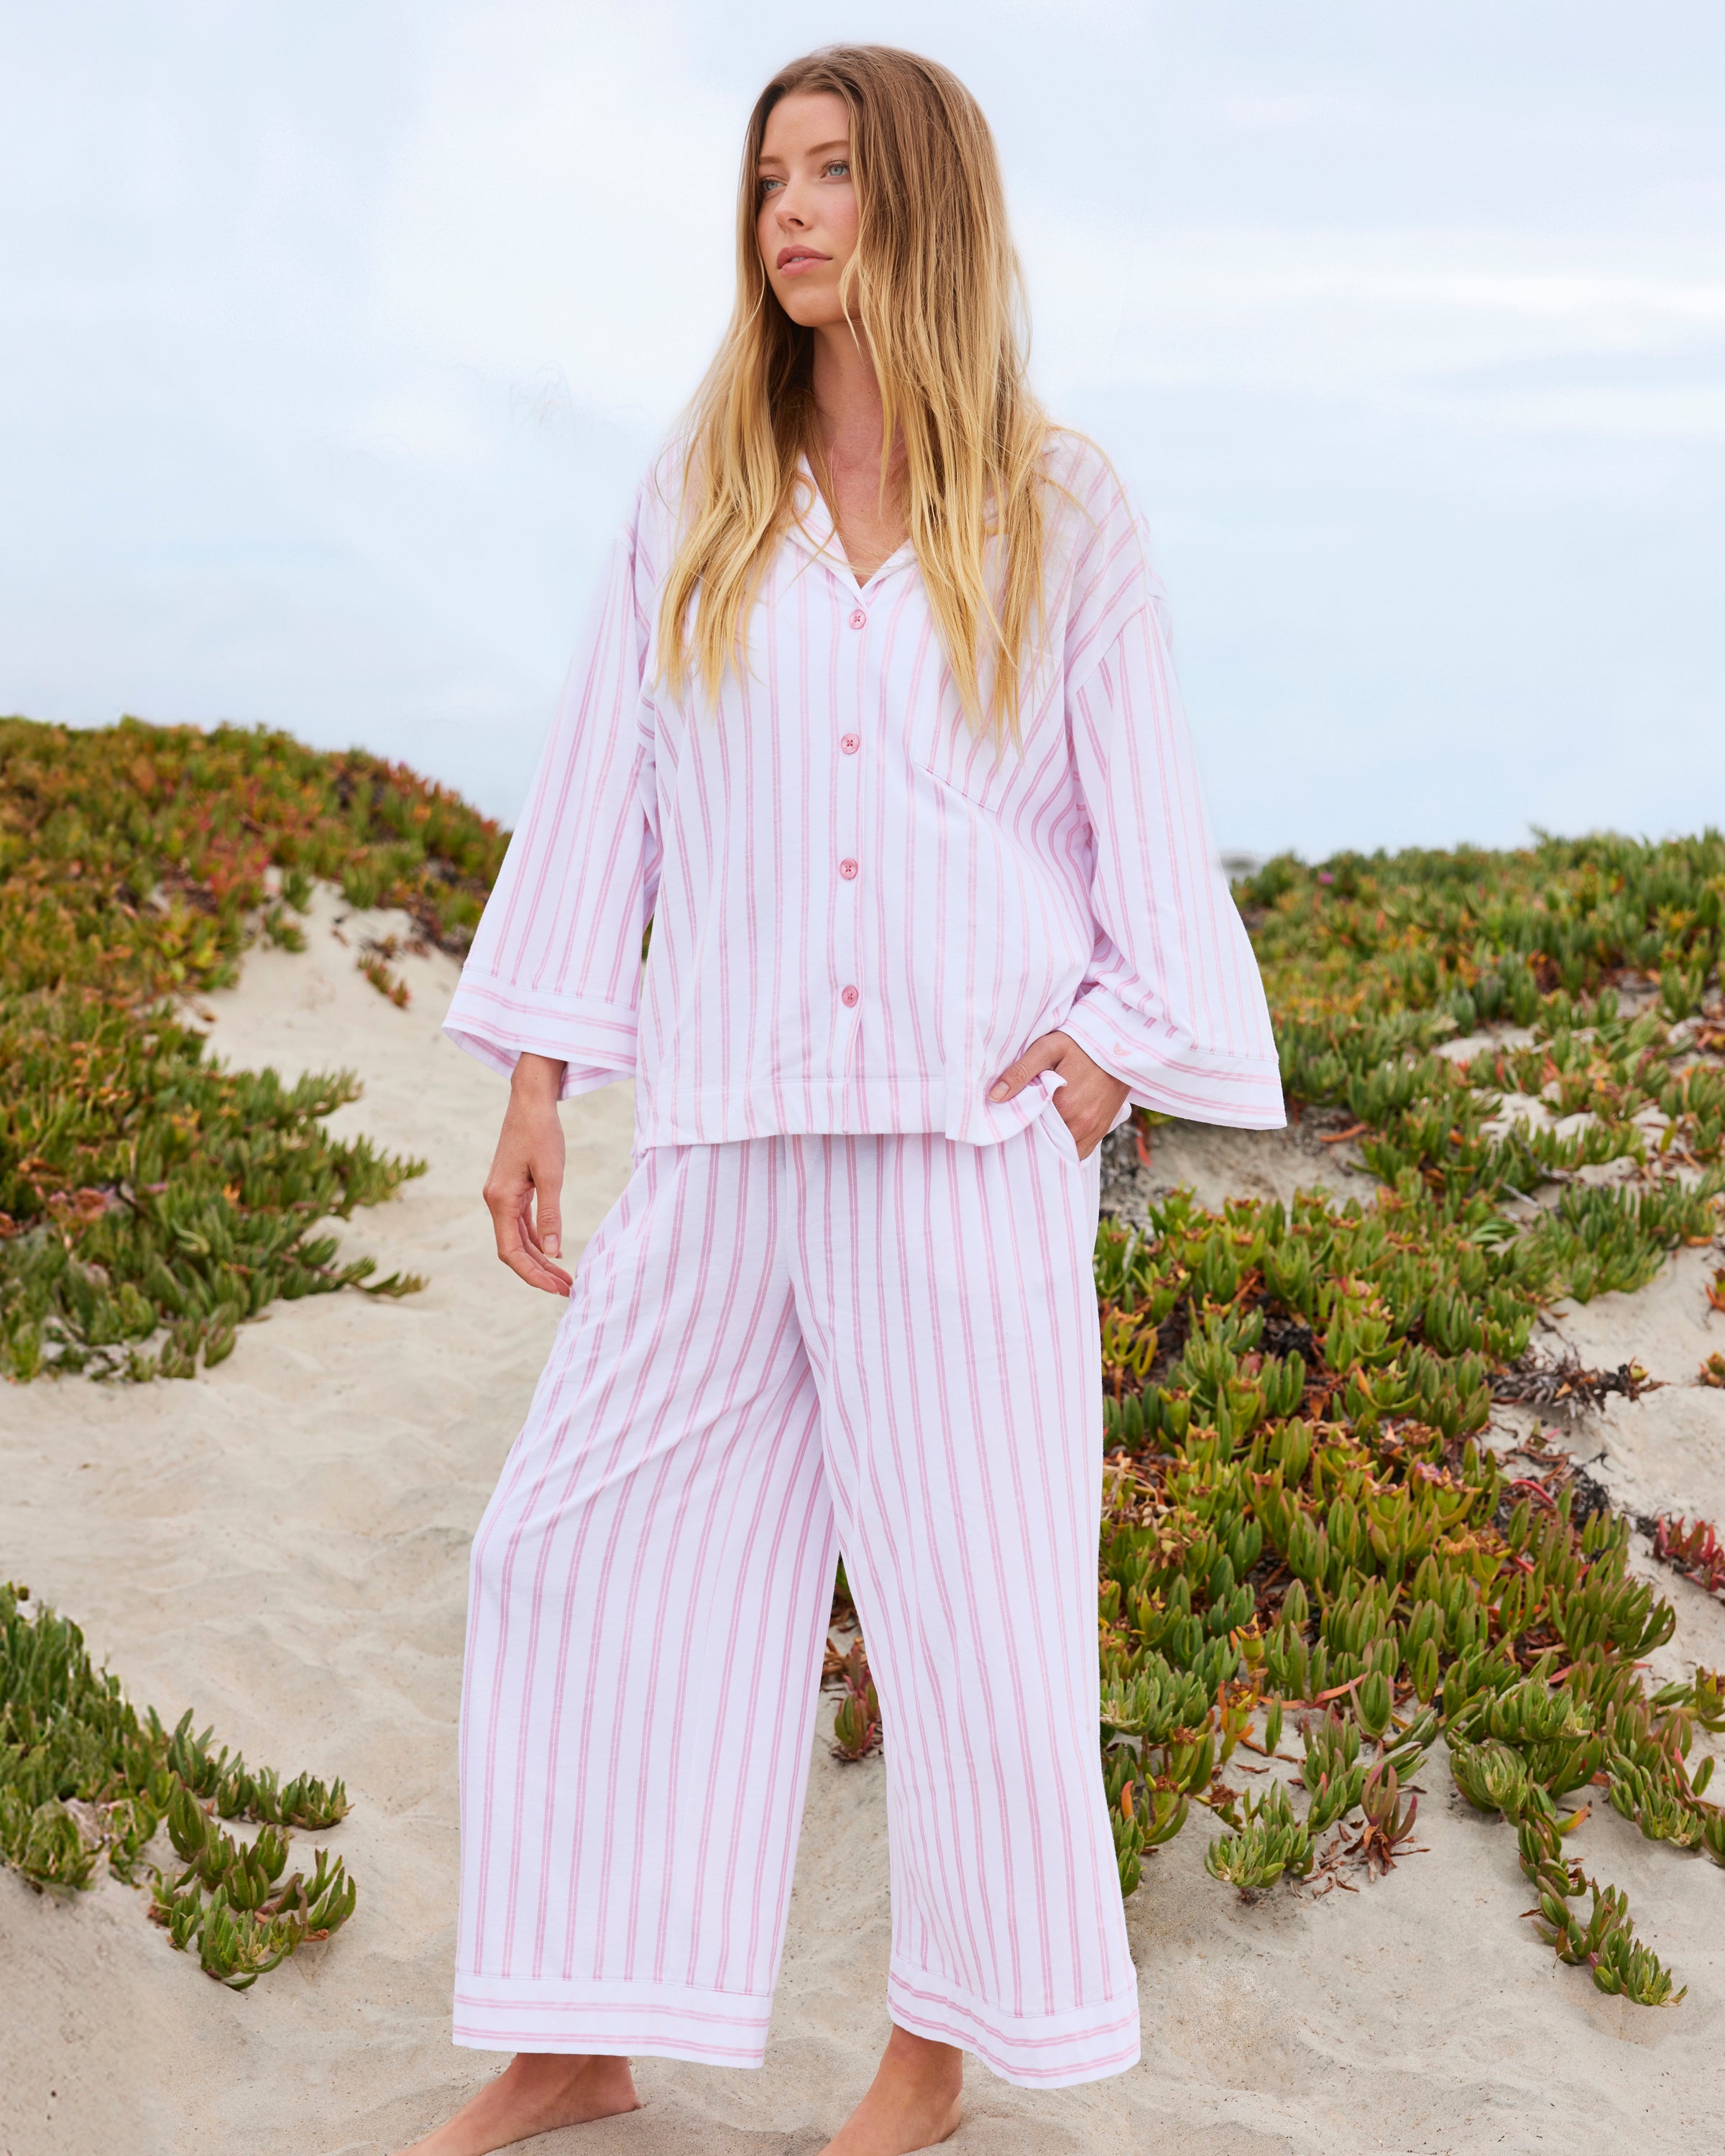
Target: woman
[{"x": 876, "y": 725}]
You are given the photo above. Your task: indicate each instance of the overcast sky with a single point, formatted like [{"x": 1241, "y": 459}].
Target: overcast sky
[{"x": 335, "y": 337}]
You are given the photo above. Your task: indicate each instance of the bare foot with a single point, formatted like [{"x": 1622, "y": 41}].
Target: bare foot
[
  {"x": 915, "y": 2101},
  {"x": 538, "y": 2091}
]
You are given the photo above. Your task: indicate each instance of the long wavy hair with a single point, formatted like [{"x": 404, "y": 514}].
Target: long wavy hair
[{"x": 934, "y": 284}]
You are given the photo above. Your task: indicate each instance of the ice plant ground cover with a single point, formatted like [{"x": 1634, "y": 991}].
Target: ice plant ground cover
[
  {"x": 149, "y": 1203},
  {"x": 1302, "y": 1513},
  {"x": 83, "y": 1776}
]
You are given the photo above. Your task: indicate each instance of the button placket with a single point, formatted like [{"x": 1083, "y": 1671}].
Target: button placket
[{"x": 847, "y": 777}]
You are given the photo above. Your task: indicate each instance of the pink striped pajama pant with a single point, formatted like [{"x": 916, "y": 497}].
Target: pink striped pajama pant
[{"x": 887, "y": 1341}]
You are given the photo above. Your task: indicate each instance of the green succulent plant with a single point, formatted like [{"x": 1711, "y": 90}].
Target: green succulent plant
[
  {"x": 1322, "y": 1377},
  {"x": 69, "y": 1736},
  {"x": 1270, "y": 1841},
  {"x": 151, "y": 1203}
]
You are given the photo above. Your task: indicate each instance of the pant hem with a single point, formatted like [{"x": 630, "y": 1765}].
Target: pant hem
[
  {"x": 612, "y": 2019},
  {"x": 1042, "y": 2051}
]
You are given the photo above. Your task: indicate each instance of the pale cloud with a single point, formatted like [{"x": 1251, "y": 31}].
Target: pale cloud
[{"x": 1258, "y": 112}]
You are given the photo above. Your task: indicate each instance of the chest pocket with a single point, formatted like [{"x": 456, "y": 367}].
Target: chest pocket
[
  {"x": 986, "y": 769},
  {"x": 963, "y": 760}
]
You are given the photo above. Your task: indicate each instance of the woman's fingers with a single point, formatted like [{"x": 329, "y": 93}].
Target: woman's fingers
[
  {"x": 524, "y": 1195},
  {"x": 1088, "y": 1097},
  {"x": 545, "y": 1222},
  {"x": 519, "y": 1248},
  {"x": 537, "y": 1205},
  {"x": 536, "y": 1271},
  {"x": 1039, "y": 1056}
]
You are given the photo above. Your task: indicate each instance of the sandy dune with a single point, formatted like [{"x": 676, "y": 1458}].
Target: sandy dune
[{"x": 280, "y": 1544}]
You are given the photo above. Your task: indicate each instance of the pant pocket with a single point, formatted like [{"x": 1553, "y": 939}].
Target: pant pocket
[{"x": 1052, "y": 1124}]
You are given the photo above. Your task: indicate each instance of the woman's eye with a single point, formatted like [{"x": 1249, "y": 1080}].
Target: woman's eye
[
  {"x": 839, "y": 165},
  {"x": 766, "y": 185}
]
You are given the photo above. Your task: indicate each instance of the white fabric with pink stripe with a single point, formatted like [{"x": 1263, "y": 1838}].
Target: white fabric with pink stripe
[
  {"x": 888, "y": 1339},
  {"x": 861, "y": 914}
]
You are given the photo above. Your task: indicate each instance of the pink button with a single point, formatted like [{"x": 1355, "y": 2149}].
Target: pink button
[
  {"x": 849, "y": 998},
  {"x": 851, "y": 743},
  {"x": 858, "y": 619},
  {"x": 848, "y": 871}
]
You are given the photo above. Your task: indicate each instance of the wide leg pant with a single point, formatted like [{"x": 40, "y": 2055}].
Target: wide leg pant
[{"x": 884, "y": 1343}]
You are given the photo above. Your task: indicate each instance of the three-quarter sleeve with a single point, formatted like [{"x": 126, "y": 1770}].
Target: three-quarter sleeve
[
  {"x": 555, "y": 969},
  {"x": 1172, "y": 1001}
]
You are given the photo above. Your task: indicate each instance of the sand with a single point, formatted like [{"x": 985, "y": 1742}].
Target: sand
[{"x": 281, "y": 1543}]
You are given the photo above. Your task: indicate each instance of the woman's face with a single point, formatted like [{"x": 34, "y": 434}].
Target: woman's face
[{"x": 806, "y": 223}]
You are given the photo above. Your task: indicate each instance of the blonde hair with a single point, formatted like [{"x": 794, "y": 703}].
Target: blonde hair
[{"x": 935, "y": 279}]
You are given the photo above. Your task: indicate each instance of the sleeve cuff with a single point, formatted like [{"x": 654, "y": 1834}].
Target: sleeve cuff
[
  {"x": 498, "y": 1022},
  {"x": 1166, "y": 1071}
]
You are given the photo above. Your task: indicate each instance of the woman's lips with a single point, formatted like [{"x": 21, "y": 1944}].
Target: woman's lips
[{"x": 792, "y": 259}]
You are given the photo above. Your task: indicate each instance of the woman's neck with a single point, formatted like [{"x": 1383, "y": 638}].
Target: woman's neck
[
  {"x": 847, "y": 404},
  {"x": 847, "y": 398}
]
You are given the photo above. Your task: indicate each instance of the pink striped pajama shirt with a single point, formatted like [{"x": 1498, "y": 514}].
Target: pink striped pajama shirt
[
  {"x": 861, "y": 914},
  {"x": 843, "y": 1296}
]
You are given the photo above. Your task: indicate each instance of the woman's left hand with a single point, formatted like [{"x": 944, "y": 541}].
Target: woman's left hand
[{"x": 1088, "y": 1101}]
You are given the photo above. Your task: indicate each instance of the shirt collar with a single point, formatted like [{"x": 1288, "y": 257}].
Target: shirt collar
[{"x": 816, "y": 535}]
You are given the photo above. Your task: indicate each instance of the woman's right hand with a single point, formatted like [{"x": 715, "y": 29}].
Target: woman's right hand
[{"x": 524, "y": 1190}]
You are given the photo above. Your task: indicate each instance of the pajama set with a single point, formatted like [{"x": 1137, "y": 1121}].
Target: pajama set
[{"x": 844, "y": 1303}]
